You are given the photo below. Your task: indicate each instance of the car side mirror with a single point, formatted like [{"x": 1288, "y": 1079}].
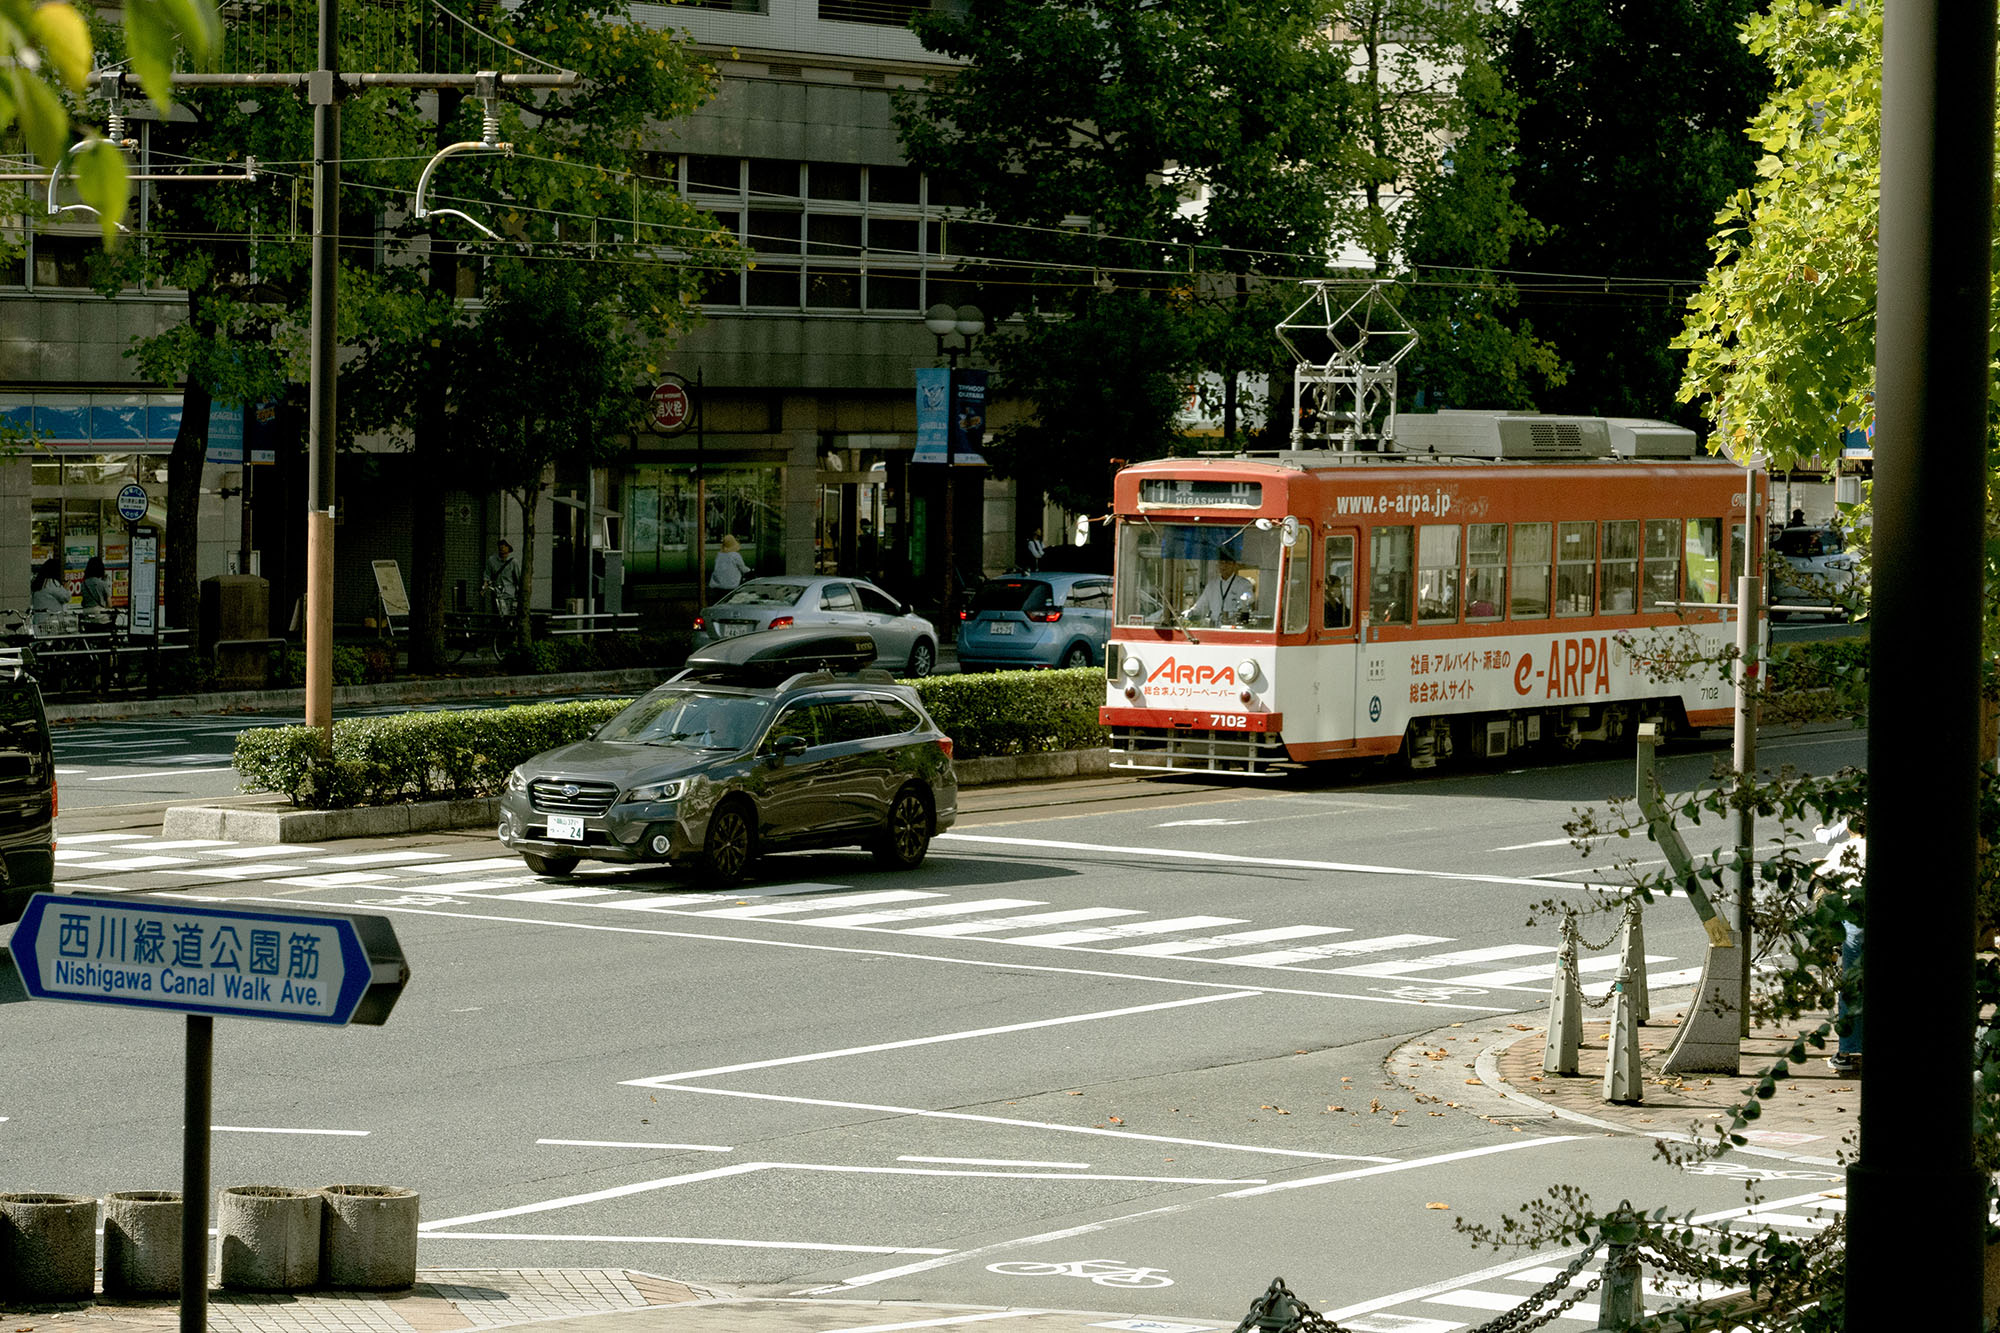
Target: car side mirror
[{"x": 788, "y": 747}]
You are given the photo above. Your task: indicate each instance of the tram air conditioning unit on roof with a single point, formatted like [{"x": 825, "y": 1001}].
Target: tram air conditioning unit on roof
[{"x": 1521, "y": 435}]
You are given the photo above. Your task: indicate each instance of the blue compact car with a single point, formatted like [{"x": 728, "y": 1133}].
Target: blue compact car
[{"x": 1023, "y": 621}]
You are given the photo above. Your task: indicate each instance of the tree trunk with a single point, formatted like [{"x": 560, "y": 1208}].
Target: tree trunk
[
  {"x": 530, "y": 497},
  {"x": 180, "y": 575}
]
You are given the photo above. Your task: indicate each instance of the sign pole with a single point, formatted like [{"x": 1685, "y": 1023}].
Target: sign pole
[
  {"x": 196, "y": 1108},
  {"x": 700, "y": 488}
]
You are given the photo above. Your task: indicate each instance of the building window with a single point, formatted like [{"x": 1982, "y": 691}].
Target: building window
[
  {"x": 746, "y": 502},
  {"x": 884, "y": 13}
]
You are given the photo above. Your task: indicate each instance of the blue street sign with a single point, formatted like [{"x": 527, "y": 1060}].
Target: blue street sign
[
  {"x": 132, "y": 502},
  {"x": 148, "y": 953}
]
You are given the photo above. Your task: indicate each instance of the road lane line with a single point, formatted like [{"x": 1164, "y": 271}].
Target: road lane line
[
  {"x": 997, "y": 964},
  {"x": 958, "y": 929},
  {"x": 993, "y": 1161},
  {"x": 756, "y": 911},
  {"x": 269, "y": 1129},
  {"x": 595, "y": 1196},
  {"x": 1276, "y": 862},
  {"x": 925, "y": 912},
  {"x": 719, "y": 1241},
  {"x": 170, "y": 773},
  {"x": 1209, "y": 943},
  {"x": 940, "y": 1038},
  {"x": 1093, "y": 1131},
  {"x": 1413, "y": 1164},
  {"x": 1344, "y": 949},
  {"x": 1529, "y": 846},
  {"x": 945, "y": 1322},
  {"x": 1060, "y": 939},
  {"x": 620, "y": 1143}
]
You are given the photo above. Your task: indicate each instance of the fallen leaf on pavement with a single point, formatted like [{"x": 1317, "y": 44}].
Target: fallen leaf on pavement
[{"x": 1439, "y": 1207}]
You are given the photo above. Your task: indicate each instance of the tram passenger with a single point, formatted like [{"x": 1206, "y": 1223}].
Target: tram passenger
[
  {"x": 1229, "y": 598},
  {"x": 1337, "y": 612}
]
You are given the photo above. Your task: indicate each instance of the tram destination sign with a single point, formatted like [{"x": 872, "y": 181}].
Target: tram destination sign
[
  {"x": 297, "y": 966},
  {"x": 1190, "y": 493}
]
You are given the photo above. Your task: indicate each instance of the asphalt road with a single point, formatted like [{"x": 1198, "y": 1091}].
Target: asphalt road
[{"x": 1142, "y": 1023}]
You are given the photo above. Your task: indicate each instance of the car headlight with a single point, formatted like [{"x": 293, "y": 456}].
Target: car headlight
[
  {"x": 515, "y": 782},
  {"x": 657, "y": 791}
]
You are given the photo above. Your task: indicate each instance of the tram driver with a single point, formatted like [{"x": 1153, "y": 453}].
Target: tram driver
[{"x": 1230, "y": 597}]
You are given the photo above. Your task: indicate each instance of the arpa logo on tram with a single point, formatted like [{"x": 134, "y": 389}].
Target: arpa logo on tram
[{"x": 1577, "y": 668}]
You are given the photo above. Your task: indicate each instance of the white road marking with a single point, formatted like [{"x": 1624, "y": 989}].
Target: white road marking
[
  {"x": 1435, "y": 961},
  {"x": 1123, "y": 930},
  {"x": 1093, "y": 1131},
  {"x": 337, "y": 880},
  {"x": 1202, "y": 823},
  {"x": 383, "y": 858},
  {"x": 1528, "y": 846},
  {"x": 70, "y": 772},
  {"x": 262, "y": 871},
  {"x": 595, "y": 1196},
  {"x": 1344, "y": 949},
  {"x": 940, "y": 1038},
  {"x": 544, "y": 1236},
  {"x": 266, "y": 1129},
  {"x": 957, "y": 929},
  {"x": 473, "y": 885},
  {"x": 1410, "y": 1165},
  {"x": 994, "y": 1161},
  {"x": 285, "y": 849},
  {"x": 619, "y": 1143},
  {"x": 1208, "y": 943},
  {"x": 942, "y": 1323},
  {"x": 100, "y": 837},
  {"x": 64, "y": 855},
  {"x": 556, "y": 895},
  {"x": 180, "y": 844},
  {"x": 170, "y": 773},
  {"x": 757, "y": 910},
  {"x": 139, "y": 863},
  {"x": 920, "y": 913},
  {"x": 467, "y": 867},
  {"x": 1276, "y": 862},
  {"x": 1546, "y": 971},
  {"x": 998, "y": 1247}
]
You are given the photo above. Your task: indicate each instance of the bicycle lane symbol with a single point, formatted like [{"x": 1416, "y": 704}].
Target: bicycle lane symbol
[{"x": 1103, "y": 1272}]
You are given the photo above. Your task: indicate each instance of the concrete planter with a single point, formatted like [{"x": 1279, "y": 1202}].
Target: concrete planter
[
  {"x": 142, "y": 1243},
  {"x": 48, "y": 1248},
  {"x": 369, "y": 1237},
  {"x": 270, "y": 1238}
]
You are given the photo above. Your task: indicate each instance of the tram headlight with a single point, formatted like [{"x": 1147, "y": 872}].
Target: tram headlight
[
  {"x": 1246, "y": 670},
  {"x": 1132, "y": 667}
]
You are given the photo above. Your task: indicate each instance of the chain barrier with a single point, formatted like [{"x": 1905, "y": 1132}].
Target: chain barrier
[
  {"x": 1631, "y": 910},
  {"x": 1279, "y": 1311},
  {"x": 1517, "y": 1320}
]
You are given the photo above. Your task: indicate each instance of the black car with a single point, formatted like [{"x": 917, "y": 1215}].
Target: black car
[
  {"x": 27, "y": 796},
  {"x": 769, "y": 741}
]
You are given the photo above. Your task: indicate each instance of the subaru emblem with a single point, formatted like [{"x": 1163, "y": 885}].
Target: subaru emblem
[{"x": 571, "y": 789}]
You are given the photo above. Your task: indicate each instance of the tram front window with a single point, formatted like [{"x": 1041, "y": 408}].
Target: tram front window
[{"x": 1199, "y": 574}]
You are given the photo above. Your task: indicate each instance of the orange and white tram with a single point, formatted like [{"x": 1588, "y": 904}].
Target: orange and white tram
[{"x": 1500, "y": 582}]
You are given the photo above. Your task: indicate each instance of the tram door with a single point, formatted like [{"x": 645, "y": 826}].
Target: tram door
[{"x": 1333, "y": 681}]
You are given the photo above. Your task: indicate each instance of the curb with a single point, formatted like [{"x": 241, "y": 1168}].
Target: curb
[
  {"x": 391, "y": 692},
  {"x": 283, "y": 824}
]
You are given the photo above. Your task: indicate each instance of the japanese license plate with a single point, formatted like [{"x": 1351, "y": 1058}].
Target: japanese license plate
[
  {"x": 566, "y": 828},
  {"x": 1002, "y": 627}
]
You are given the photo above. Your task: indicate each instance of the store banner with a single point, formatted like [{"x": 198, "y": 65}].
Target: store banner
[
  {"x": 933, "y": 414},
  {"x": 968, "y": 417}
]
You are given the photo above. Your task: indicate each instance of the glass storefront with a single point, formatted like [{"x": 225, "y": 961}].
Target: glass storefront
[
  {"x": 75, "y": 515},
  {"x": 746, "y": 501}
]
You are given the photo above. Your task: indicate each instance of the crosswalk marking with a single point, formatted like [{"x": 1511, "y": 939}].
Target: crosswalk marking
[
  {"x": 262, "y": 871},
  {"x": 1310, "y": 952},
  {"x": 553, "y": 895},
  {"x": 756, "y": 911},
  {"x": 919, "y": 913},
  {"x": 1208, "y": 943},
  {"x": 1546, "y": 971},
  {"x": 957, "y": 929},
  {"x": 251, "y": 853},
  {"x": 1437, "y": 960},
  {"x": 1582, "y": 1311},
  {"x": 101, "y": 837},
  {"x": 64, "y": 855},
  {"x": 182, "y": 844},
  {"x": 338, "y": 879},
  {"x": 382, "y": 858},
  {"x": 137, "y": 863},
  {"x": 1124, "y": 929},
  {"x": 473, "y": 885},
  {"x": 468, "y": 867}
]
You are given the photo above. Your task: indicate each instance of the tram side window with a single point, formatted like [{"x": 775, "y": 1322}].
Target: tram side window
[
  {"x": 1297, "y": 607},
  {"x": 1663, "y": 561},
  {"x": 1339, "y": 600},
  {"x": 1704, "y": 560},
  {"x": 1437, "y": 574},
  {"x": 1389, "y": 576},
  {"x": 1576, "y": 568},
  {"x": 1485, "y": 571},
  {"x": 1531, "y": 571},
  {"x": 1620, "y": 591}
]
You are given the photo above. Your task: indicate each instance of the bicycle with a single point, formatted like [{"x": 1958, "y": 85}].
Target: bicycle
[{"x": 1102, "y": 1272}]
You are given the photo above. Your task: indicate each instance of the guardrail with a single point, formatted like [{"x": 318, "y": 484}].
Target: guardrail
[{"x": 72, "y": 653}]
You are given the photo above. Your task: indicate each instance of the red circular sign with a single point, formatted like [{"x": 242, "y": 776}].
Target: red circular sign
[{"x": 670, "y": 408}]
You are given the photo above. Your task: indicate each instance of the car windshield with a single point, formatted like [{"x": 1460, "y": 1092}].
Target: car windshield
[
  {"x": 1010, "y": 595},
  {"x": 1809, "y": 542},
  {"x": 1197, "y": 574},
  {"x": 680, "y": 716},
  {"x": 762, "y": 594}
]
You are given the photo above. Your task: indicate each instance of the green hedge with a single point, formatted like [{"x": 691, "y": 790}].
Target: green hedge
[{"x": 420, "y": 756}]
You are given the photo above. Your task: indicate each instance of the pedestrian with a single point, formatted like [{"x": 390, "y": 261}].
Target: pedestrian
[
  {"x": 1035, "y": 550},
  {"x": 96, "y": 585},
  {"x": 503, "y": 578},
  {"x": 48, "y": 592},
  {"x": 729, "y": 571},
  {"x": 1843, "y": 871}
]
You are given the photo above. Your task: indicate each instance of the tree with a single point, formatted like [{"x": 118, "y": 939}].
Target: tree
[
  {"x": 1631, "y": 137},
  {"x": 1138, "y": 174}
]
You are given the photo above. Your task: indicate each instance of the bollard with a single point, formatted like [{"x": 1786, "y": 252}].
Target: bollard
[
  {"x": 142, "y": 1243},
  {"x": 368, "y": 1237},
  {"x": 1632, "y": 955},
  {"x": 1623, "y": 1080},
  {"x": 270, "y": 1238},
  {"x": 1276, "y": 1311},
  {"x": 1559, "y": 1048},
  {"x": 1620, "y": 1306},
  {"x": 48, "y": 1248}
]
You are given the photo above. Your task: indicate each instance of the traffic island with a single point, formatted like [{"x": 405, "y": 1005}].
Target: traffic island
[
  {"x": 48, "y": 1248},
  {"x": 142, "y": 1244},
  {"x": 270, "y": 1237},
  {"x": 368, "y": 1237}
]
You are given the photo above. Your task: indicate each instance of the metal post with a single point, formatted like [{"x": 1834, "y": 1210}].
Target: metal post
[
  {"x": 1745, "y": 760},
  {"x": 1624, "y": 1081},
  {"x": 1632, "y": 958},
  {"x": 700, "y": 491},
  {"x": 323, "y": 93},
  {"x": 196, "y": 1100},
  {"x": 1620, "y": 1305},
  {"x": 1934, "y": 288},
  {"x": 949, "y": 626},
  {"x": 1565, "y": 1035}
]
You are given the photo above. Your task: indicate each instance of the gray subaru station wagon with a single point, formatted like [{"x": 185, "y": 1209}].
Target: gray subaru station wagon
[{"x": 766, "y": 742}]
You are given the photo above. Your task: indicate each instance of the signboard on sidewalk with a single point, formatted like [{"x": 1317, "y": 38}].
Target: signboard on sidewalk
[
  {"x": 145, "y": 618},
  {"x": 304, "y": 967}
]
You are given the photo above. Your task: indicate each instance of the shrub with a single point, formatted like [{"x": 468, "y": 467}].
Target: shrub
[
  {"x": 1821, "y": 680},
  {"x": 1017, "y": 712}
]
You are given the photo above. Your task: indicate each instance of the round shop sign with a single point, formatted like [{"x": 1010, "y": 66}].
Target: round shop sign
[
  {"x": 132, "y": 502},
  {"x": 671, "y": 406}
]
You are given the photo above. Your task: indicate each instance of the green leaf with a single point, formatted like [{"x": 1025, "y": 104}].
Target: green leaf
[
  {"x": 149, "y": 41},
  {"x": 101, "y": 182},
  {"x": 44, "y": 123},
  {"x": 199, "y": 27},
  {"x": 66, "y": 38}
]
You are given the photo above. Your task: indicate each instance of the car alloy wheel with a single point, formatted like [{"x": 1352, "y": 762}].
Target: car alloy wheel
[
  {"x": 730, "y": 846},
  {"x": 907, "y": 836},
  {"x": 1077, "y": 656},
  {"x": 922, "y": 658}
]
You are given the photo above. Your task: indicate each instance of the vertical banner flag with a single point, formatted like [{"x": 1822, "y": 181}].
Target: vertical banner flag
[
  {"x": 933, "y": 414},
  {"x": 225, "y": 432},
  {"x": 968, "y": 416}
]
